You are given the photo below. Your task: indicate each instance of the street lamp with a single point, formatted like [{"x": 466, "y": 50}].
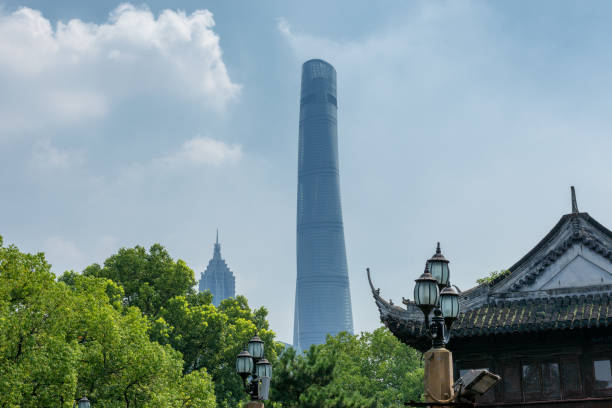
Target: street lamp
[
  {"x": 256, "y": 347},
  {"x": 449, "y": 304},
  {"x": 244, "y": 364},
  {"x": 438, "y": 266},
  {"x": 263, "y": 368},
  {"x": 434, "y": 291},
  {"x": 84, "y": 403},
  {"x": 426, "y": 293},
  {"x": 252, "y": 364}
]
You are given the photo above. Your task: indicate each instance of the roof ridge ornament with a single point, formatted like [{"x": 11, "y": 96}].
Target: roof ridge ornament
[{"x": 574, "y": 202}]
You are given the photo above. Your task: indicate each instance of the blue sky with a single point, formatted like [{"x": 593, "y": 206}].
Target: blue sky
[{"x": 463, "y": 122}]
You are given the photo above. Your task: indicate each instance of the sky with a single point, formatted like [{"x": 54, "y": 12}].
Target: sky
[{"x": 126, "y": 124}]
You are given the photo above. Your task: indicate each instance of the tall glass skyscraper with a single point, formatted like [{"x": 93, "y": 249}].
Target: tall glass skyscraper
[
  {"x": 218, "y": 278},
  {"x": 322, "y": 295}
]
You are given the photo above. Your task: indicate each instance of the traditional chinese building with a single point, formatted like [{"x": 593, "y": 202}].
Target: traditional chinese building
[{"x": 545, "y": 326}]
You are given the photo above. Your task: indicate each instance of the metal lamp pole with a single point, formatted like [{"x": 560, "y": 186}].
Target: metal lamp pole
[
  {"x": 255, "y": 371},
  {"x": 433, "y": 291}
]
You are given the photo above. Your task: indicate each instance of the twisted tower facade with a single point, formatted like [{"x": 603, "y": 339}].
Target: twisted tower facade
[{"x": 322, "y": 298}]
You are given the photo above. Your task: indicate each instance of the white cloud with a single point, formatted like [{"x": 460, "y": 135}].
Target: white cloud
[
  {"x": 46, "y": 157},
  {"x": 76, "y": 70},
  {"x": 205, "y": 150}
]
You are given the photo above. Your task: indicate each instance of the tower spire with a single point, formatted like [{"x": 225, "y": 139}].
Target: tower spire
[
  {"x": 217, "y": 253},
  {"x": 574, "y": 202}
]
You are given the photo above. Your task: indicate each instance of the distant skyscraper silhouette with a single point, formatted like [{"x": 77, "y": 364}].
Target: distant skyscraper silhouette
[
  {"x": 322, "y": 294},
  {"x": 218, "y": 278}
]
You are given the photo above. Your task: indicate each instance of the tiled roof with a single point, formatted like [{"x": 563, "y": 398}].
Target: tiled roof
[
  {"x": 532, "y": 315},
  {"x": 502, "y": 317},
  {"x": 508, "y": 317},
  {"x": 579, "y": 235},
  {"x": 514, "y": 303}
]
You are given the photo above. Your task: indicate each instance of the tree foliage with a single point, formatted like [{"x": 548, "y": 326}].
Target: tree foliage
[
  {"x": 370, "y": 370},
  {"x": 493, "y": 275},
  {"x": 149, "y": 280},
  {"x": 60, "y": 340},
  {"x": 208, "y": 338}
]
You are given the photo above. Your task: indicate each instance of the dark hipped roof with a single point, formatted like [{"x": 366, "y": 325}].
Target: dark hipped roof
[
  {"x": 553, "y": 233},
  {"x": 522, "y": 315},
  {"x": 531, "y": 315},
  {"x": 504, "y": 318}
]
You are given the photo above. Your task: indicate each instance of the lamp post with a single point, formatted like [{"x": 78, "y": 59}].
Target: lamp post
[
  {"x": 255, "y": 371},
  {"x": 433, "y": 291}
]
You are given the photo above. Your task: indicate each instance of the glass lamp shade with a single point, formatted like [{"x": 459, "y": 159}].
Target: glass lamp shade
[
  {"x": 244, "y": 363},
  {"x": 263, "y": 368},
  {"x": 256, "y": 347},
  {"x": 84, "y": 403},
  {"x": 449, "y": 303},
  {"x": 426, "y": 291},
  {"x": 438, "y": 267}
]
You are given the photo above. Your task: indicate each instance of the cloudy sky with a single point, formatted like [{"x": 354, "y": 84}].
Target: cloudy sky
[{"x": 463, "y": 122}]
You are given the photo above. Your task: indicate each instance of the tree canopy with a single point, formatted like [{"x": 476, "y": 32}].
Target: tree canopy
[
  {"x": 134, "y": 333},
  {"x": 59, "y": 342},
  {"x": 208, "y": 338},
  {"x": 368, "y": 370}
]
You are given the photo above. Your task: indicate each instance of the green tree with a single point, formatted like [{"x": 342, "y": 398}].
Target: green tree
[
  {"x": 197, "y": 390},
  {"x": 149, "y": 280},
  {"x": 62, "y": 339},
  {"x": 208, "y": 338},
  {"x": 38, "y": 351},
  {"x": 370, "y": 370}
]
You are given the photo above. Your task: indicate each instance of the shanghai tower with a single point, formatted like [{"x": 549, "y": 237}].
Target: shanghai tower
[{"x": 322, "y": 295}]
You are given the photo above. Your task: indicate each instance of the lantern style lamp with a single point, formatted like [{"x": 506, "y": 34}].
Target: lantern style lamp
[
  {"x": 251, "y": 363},
  {"x": 263, "y": 368},
  {"x": 438, "y": 267},
  {"x": 84, "y": 403},
  {"x": 449, "y": 303},
  {"x": 256, "y": 347},
  {"x": 244, "y": 364},
  {"x": 426, "y": 293}
]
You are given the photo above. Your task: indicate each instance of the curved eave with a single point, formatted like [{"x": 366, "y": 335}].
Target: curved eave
[{"x": 404, "y": 324}]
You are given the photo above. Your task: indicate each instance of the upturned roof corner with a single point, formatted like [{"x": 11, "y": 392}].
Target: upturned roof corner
[{"x": 568, "y": 271}]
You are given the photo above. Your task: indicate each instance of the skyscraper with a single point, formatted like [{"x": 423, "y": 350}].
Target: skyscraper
[
  {"x": 217, "y": 277},
  {"x": 322, "y": 295}
]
